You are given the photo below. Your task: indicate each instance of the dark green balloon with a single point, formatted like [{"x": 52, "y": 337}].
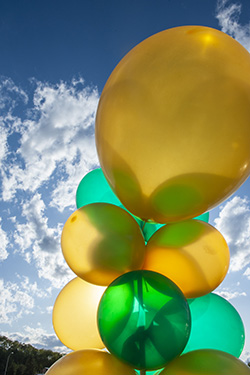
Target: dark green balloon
[
  {"x": 144, "y": 319},
  {"x": 215, "y": 324}
]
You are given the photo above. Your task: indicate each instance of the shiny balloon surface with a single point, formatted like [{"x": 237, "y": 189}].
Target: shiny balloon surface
[
  {"x": 89, "y": 362},
  {"x": 215, "y": 324},
  {"x": 192, "y": 253},
  {"x": 172, "y": 126},
  {"x": 144, "y": 319},
  {"x": 206, "y": 362},
  {"x": 101, "y": 241},
  {"x": 74, "y": 315},
  {"x": 93, "y": 188}
]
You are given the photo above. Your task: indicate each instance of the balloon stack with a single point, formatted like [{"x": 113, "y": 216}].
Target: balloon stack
[{"x": 173, "y": 139}]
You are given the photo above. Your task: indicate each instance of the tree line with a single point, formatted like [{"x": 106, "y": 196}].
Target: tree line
[{"x": 24, "y": 359}]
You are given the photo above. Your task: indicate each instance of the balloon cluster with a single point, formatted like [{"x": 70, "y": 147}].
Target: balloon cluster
[{"x": 173, "y": 139}]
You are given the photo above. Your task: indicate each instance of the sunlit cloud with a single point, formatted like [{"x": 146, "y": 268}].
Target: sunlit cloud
[
  {"x": 14, "y": 302},
  {"x": 234, "y": 224},
  {"x": 228, "y": 15},
  {"x": 56, "y": 142},
  {"x": 229, "y": 294},
  {"x": 40, "y": 244},
  {"x": 4, "y": 241},
  {"x": 38, "y": 337}
]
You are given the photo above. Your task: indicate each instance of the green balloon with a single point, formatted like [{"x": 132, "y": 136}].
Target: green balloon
[
  {"x": 215, "y": 324},
  {"x": 148, "y": 372},
  {"x": 94, "y": 188},
  {"x": 203, "y": 217},
  {"x": 206, "y": 362},
  {"x": 144, "y": 319},
  {"x": 149, "y": 228}
]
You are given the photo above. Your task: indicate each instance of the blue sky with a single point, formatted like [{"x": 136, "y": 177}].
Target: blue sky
[{"x": 55, "y": 59}]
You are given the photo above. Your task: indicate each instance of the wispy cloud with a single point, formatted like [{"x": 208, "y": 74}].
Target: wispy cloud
[
  {"x": 14, "y": 302},
  {"x": 228, "y": 15},
  {"x": 56, "y": 142},
  {"x": 40, "y": 244},
  {"x": 47, "y": 146},
  {"x": 234, "y": 223},
  {"x": 4, "y": 241},
  {"x": 17, "y": 299},
  {"x": 229, "y": 294}
]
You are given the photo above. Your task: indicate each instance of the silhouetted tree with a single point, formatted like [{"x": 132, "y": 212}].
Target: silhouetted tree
[{"x": 24, "y": 359}]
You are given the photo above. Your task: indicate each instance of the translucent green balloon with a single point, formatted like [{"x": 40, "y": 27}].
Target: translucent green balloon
[
  {"x": 157, "y": 372},
  {"x": 94, "y": 188},
  {"x": 215, "y": 324},
  {"x": 206, "y": 362},
  {"x": 149, "y": 228},
  {"x": 144, "y": 319}
]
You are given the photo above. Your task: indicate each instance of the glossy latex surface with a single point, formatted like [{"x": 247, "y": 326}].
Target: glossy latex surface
[
  {"x": 215, "y": 324},
  {"x": 89, "y": 362},
  {"x": 74, "y": 315},
  {"x": 192, "y": 253},
  {"x": 172, "y": 126},
  {"x": 144, "y": 319},
  {"x": 101, "y": 241},
  {"x": 206, "y": 362}
]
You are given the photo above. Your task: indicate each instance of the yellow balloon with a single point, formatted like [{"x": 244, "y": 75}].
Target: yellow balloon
[
  {"x": 74, "y": 315},
  {"x": 192, "y": 253},
  {"x": 172, "y": 126},
  {"x": 101, "y": 241},
  {"x": 206, "y": 362},
  {"x": 89, "y": 362}
]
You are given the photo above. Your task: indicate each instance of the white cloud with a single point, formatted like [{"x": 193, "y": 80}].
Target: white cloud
[
  {"x": 228, "y": 294},
  {"x": 10, "y": 94},
  {"x": 33, "y": 289},
  {"x": 245, "y": 356},
  {"x": 3, "y": 141},
  {"x": 228, "y": 15},
  {"x": 40, "y": 243},
  {"x": 247, "y": 273},
  {"x": 14, "y": 302},
  {"x": 234, "y": 224},
  {"x": 4, "y": 241},
  {"x": 37, "y": 337},
  {"x": 57, "y": 140}
]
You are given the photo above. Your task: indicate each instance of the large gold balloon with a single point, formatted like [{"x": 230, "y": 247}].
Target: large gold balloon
[
  {"x": 173, "y": 123},
  {"x": 101, "y": 241},
  {"x": 74, "y": 315},
  {"x": 206, "y": 362},
  {"x": 89, "y": 362},
  {"x": 192, "y": 253}
]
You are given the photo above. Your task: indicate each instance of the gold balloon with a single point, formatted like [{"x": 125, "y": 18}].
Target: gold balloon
[
  {"x": 206, "y": 362},
  {"x": 74, "y": 315},
  {"x": 172, "y": 126},
  {"x": 101, "y": 241},
  {"x": 192, "y": 253},
  {"x": 89, "y": 362}
]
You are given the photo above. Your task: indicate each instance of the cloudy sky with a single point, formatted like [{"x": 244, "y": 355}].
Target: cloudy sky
[{"x": 55, "y": 59}]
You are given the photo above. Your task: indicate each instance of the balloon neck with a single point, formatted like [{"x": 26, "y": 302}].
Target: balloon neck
[{"x": 142, "y": 372}]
